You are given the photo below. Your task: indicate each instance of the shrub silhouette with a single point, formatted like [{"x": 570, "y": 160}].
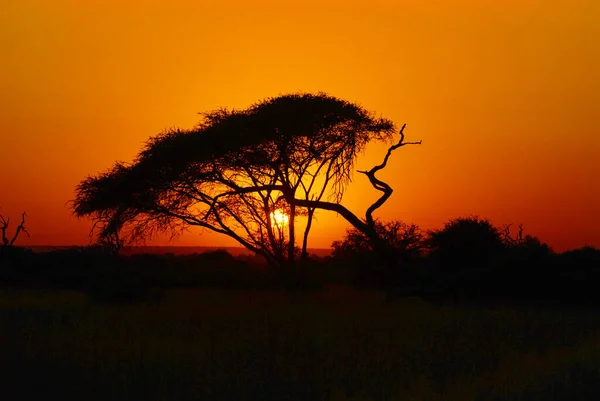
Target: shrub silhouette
[
  {"x": 532, "y": 251},
  {"x": 405, "y": 247},
  {"x": 465, "y": 243},
  {"x": 578, "y": 272},
  {"x": 404, "y": 239},
  {"x": 585, "y": 258},
  {"x": 526, "y": 270}
]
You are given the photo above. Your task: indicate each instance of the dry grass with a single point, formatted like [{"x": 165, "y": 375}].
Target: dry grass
[{"x": 337, "y": 344}]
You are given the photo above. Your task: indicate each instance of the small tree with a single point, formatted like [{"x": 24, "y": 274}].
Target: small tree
[
  {"x": 4, "y": 223},
  {"x": 527, "y": 243},
  {"x": 525, "y": 249},
  {"x": 404, "y": 247},
  {"x": 404, "y": 240},
  {"x": 465, "y": 243}
]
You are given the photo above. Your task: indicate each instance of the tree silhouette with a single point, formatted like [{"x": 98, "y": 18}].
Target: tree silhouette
[
  {"x": 405, "y": 240},
  {"x": 465, "y": 243},
  {"x": 526, "y": 248},
  {"x": 404, "y": 247},
  {"x": 4, "y": 223},
  {"x": 293, "y": 153}
]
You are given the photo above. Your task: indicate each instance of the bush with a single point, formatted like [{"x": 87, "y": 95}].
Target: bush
[
  {"x": 356, "y": 253},
  {"x": 465, "y": 243},
  {"x": 405, "y": 241}
]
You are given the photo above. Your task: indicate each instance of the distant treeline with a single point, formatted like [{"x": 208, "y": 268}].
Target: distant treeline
[
  {"x": 471, "y": 259},
  {"x": 175, "y": 250},
  {"x": 468, "y": 259},
  {"x": 128, "y": 277}
]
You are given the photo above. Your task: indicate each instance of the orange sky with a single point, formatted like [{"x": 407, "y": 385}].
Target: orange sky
[{"x": 504, "y": 94}]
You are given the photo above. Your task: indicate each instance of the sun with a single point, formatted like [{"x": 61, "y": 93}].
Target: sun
[{"x": 279, "y": 218}]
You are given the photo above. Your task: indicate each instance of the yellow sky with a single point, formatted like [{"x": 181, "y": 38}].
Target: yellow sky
[{"x": 505, "y": 95}]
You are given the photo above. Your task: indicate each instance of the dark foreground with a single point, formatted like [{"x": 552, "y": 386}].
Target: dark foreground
[{"x": 333, "y": 344}]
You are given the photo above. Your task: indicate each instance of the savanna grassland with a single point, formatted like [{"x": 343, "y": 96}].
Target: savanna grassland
[{"x": 337, "y": 343}]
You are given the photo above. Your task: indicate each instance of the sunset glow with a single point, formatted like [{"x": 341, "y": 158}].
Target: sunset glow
[
  {"x": 505, "y": 96},
  {"x": 279, "y": 218}
]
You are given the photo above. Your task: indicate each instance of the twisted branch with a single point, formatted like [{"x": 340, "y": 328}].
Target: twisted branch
[{"x": 380, "y": 185}]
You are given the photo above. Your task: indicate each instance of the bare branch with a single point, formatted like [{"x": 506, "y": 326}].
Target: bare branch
[
  {"x": 507, "y": 237},
  {"x": 4, "y": 223},
  {"x": 3, "y": 227},
  {"x": 380, "y": 185}
]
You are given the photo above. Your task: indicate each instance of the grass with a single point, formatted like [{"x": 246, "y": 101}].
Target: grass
[{"x": 336, "y": 344}]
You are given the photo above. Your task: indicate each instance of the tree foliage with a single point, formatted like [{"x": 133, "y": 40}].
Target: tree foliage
[{"x": 235, "y": 168}]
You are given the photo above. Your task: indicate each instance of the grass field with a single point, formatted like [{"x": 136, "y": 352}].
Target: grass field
[{"x": 335, "y": 344}]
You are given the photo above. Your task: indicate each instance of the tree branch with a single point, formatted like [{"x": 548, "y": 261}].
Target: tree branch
[
  {"x": 20, "y": 227},
  {"x": 380, "y": 185},
  {"x": 334, "y": 207},
  {"x": 3, "y": 227}
]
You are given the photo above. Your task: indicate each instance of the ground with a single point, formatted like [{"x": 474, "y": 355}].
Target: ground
[{"x": 333, "y": 344}]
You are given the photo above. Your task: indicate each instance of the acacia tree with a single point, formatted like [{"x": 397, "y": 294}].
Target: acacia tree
[{"x": 230, "y": 173}]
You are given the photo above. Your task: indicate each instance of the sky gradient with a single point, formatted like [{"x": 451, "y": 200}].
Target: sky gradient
[{"x": 505, "y": 96}]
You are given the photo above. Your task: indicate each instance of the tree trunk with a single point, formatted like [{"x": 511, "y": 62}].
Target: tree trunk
[{"x": 292, "y": 242}]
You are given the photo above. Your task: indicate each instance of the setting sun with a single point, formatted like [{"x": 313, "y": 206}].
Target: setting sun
[{"x": 279, "y": 218}]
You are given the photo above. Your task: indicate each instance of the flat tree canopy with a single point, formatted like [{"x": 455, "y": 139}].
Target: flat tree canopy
[{"x": 290, "y": 154}]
